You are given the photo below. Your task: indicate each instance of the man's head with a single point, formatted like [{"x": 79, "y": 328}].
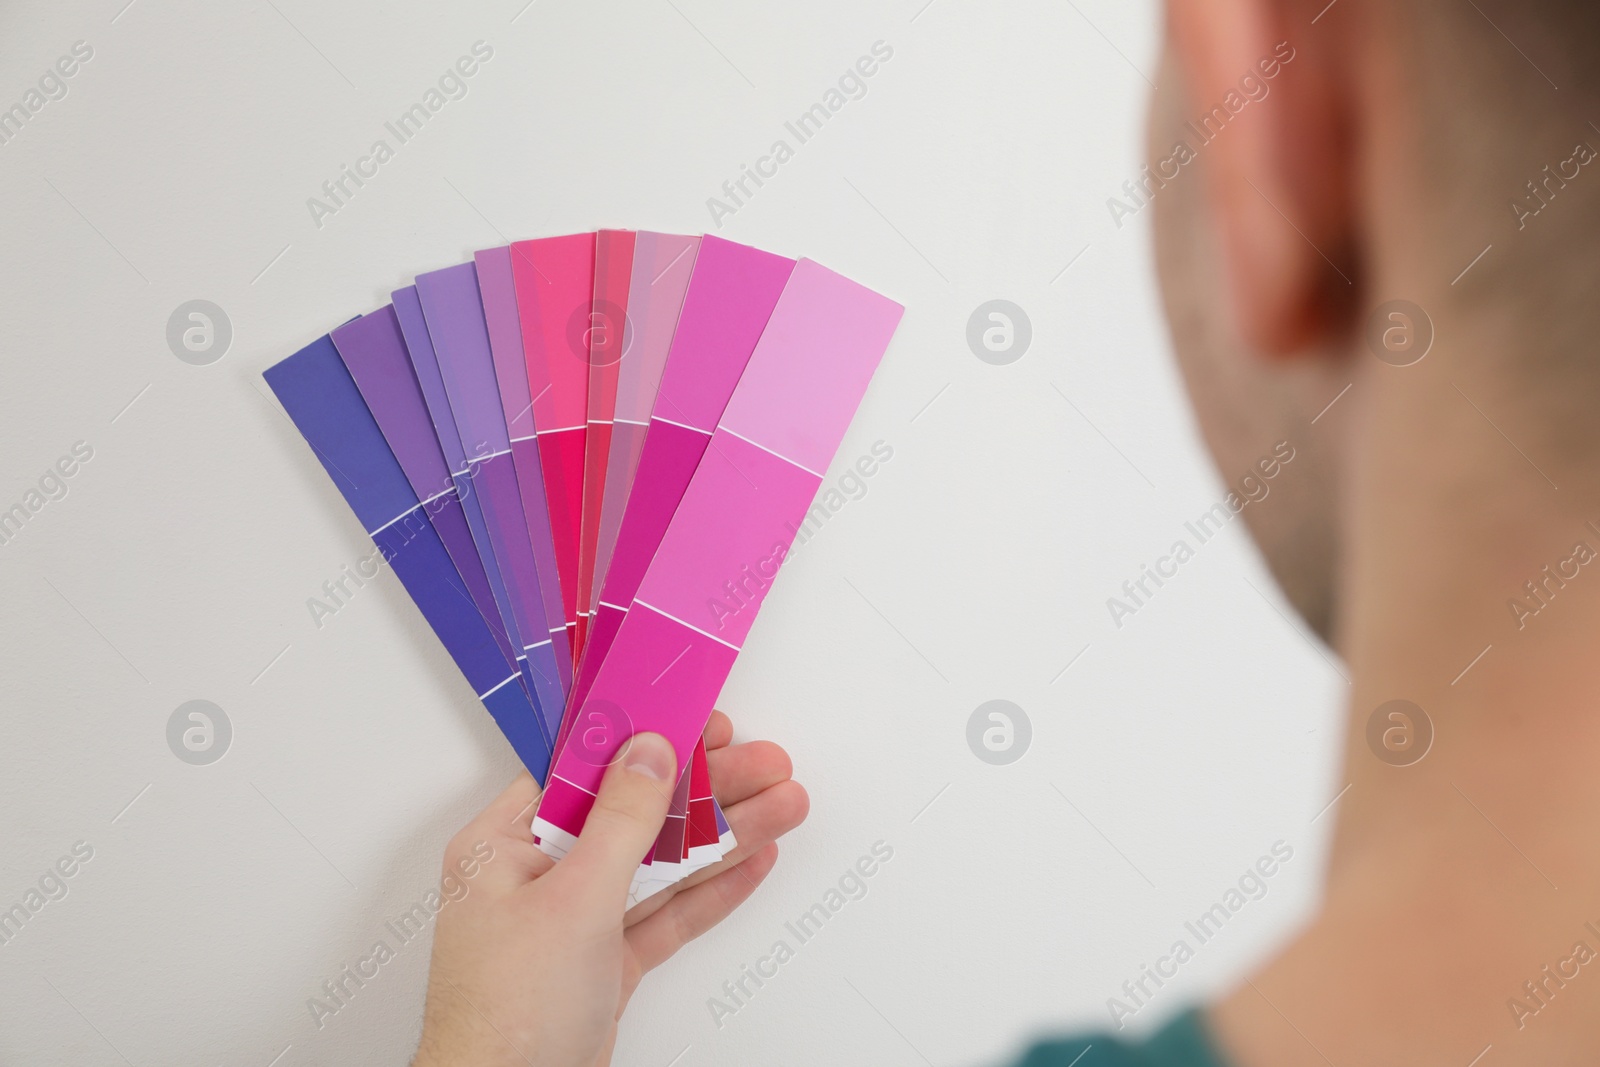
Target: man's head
[{"x": 1314, "y": 161}]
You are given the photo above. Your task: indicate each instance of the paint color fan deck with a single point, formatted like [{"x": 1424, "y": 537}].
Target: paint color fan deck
[{"x": 571, "y": 450}]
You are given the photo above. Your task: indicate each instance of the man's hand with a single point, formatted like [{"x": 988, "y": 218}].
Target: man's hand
[{"x": 535, "y": 964}]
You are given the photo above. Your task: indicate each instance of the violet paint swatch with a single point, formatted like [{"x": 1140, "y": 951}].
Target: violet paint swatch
[{"x": 453, "y": 309}]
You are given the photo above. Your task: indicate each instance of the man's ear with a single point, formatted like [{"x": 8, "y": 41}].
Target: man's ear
[{"x": 1281, "y": 170}]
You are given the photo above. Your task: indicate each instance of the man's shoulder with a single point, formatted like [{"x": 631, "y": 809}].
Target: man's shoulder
[{"x": 1184, "y": 1042}]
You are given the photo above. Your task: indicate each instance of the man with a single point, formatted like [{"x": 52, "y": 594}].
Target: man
[{"x": 1439, "y": 532}]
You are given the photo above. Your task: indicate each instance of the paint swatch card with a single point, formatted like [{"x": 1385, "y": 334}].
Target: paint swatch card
[
  {"x": 662, "y": 265},
  {"x": 498, "y": 289},
  {"x": 554, "y": 279},
  {"x": 425, "y": 366},
  {"x": 453, "y": 310},
  {"x": 586, "y": 458},
  {"x": 607, "y": 337}
]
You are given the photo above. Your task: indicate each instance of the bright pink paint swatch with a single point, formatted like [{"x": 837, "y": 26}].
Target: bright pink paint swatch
[
  {"x": 497, "y": 286},
  {"x": 554, "y": 278}
]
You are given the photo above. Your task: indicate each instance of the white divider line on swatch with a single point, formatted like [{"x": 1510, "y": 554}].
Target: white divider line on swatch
[
  {"x": 680, "y": 425},
  {"x": 770, "y": 452},
  {"x": 640, "y": 603},
  {"x": 574, "y": 785},
  {"x": 407, "y": 511},
  {"x": 502, "y": 685}
]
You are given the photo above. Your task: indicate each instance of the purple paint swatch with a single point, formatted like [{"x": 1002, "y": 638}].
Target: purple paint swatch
[{"x": 326, "y": 407}]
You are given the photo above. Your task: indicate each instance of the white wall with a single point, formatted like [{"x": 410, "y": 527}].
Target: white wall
[{"x": 1174, "y": 751}]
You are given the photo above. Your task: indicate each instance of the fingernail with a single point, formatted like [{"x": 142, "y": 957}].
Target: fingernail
[{"x": 650, "y": 755}]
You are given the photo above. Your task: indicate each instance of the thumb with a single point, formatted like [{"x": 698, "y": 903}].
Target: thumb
[{"x": 627, "y": 815}]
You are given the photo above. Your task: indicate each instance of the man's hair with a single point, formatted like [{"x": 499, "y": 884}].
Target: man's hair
[
  {"x": 1501, "y": 77},
  {"x": 1541, "y": 51},
  {"x": 1507, "y": 89}
]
